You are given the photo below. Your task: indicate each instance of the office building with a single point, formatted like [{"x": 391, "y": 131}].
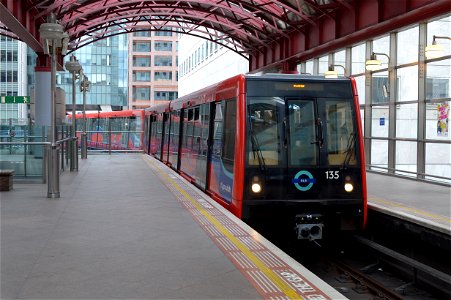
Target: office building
[
  {"x": 105, "y": 63},
  {"x": 153, "y": 60},
  {"x": 13, "y": 79},
  {"x": 203, "y": 62}
]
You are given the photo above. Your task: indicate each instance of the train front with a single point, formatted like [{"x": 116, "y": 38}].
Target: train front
[{"x": 305, "y": 153}]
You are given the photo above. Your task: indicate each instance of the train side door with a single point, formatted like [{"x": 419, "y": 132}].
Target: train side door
[{"x": 166, "y": 141}]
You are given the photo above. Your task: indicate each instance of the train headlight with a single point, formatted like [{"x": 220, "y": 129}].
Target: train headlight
[
  {"x": 349, "y": 187},
  {"x": 256, "y": 187}
]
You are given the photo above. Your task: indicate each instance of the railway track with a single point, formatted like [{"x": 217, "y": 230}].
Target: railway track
[
  {"x": 375, "y": 267},
  {"x": 368, "y": 270}
]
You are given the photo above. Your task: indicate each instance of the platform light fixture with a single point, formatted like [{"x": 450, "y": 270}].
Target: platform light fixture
[
  {"x": 53, "y": 37},
  {"x": 435, "y": 50},
  {"x": 74, "y": 67},
  {"x": 84, "y": 87},
  {"x": 332, "y": 73},
  {"x": 374, "y": 64}
]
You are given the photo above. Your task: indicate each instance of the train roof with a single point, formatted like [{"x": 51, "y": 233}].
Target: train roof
[
  {"x": 279, "y": 76},
  {"x": 209, "y": 93}
]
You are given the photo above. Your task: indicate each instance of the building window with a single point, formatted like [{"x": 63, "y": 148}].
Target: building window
[
  {"x": 164, "y": 31},
  {"x": 141, "y": 61},
  {"x": 141, "y": 93},
  {"x": 141, "y": 76},
  {"x": 162, "y": 95},
  {"x": 163, "y": 46},
  {"x": 162, "y": 76},
  {"x": 141, "y": 46},
  {"x": 8, "y": 76},
  {"x": 163, "y": 61},
  {"x": 142, "y": 33}
]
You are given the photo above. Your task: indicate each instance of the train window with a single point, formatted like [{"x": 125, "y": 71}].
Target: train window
[
  {"x": 205, "y": 115},
  {"x": 174, "y": 140},
  {"x": 217, "y": 133},
  {"x": 228, "y": 153},
  {"x": 197, "y": 131},
  {"x": 189, "y": 130},
  {"x": 341, "y": 136},
  {"x": 264, "y": 140}
]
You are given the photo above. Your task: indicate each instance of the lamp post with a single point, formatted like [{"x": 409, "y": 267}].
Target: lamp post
[
  {"x": 84, "y": 87},
  {"x": 53, "y": 37},
  {"x": 74, "y": 67}
]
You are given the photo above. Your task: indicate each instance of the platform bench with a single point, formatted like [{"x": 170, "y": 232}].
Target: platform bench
[{"x": 6, "y": 180}]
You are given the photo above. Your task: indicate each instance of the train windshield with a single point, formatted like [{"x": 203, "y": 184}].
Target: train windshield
[{"x": 301, "y": 132}]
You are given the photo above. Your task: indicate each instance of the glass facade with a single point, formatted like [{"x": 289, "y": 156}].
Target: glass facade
[
  {"x": 105, "y": 62},
  {"x": 405, "y": 105}
]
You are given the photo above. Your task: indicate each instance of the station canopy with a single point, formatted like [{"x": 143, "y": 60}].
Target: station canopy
[{"x": 244, "y": 26}]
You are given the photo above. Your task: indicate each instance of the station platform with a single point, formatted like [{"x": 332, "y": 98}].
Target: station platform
[
  {"x": 422, "y": 203},
  {"x": 126, "y": 227}
]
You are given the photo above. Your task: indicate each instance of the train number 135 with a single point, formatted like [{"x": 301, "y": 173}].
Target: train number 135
[{"x": 332, "y": 174}]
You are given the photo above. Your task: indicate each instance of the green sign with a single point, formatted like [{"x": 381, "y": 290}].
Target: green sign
[{"x": 14, "y": 99}]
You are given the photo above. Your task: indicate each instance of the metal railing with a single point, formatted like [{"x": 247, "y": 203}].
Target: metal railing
[
  {"x": 23, "y": 147},
  {"x": 427, "y": 178},
  {"x": 112, "y": 141},
  {"x": 42, "y": 156}
]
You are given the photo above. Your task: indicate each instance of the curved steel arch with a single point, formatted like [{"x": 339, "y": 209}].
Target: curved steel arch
[
  {"x": 251, "y": 24},
  {"x": 215, "y": 36},
  {"x": 200, "y": 34},
  {"x": 246, "y": 43},
  {"x": 271, "y": 33}
]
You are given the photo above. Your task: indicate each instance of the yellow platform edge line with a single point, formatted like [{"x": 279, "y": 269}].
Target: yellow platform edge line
[
  {"x": 282, "y": 285},
  {"x": 405, "y": 207}
]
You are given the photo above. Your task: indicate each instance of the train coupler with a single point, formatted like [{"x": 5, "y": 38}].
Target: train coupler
[{"x": 309, "y": 226}]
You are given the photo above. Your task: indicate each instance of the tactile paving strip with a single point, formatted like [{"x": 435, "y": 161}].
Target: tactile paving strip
[{"x": 271, "y": 276}]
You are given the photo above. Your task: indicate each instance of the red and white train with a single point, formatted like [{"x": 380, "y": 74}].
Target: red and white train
[
  {"x": 290, "y": 143},
  {"x": 112, "y": 130}
]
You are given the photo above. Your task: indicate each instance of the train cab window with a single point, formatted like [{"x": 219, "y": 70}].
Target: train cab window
[
  {"x": 264, "y": 140},
  {"x": 341, "y": 136},
  {"x": 301, "y": 116}
]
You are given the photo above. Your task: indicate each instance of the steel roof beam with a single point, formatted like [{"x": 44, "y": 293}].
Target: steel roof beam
[
  {"x": 10, "y": 16},
  {"x": 367, "y": 20}
]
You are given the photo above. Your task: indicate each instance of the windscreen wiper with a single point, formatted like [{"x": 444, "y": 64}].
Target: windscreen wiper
[
  {"x": 350, "y": 149},
  {"x": 256, "y": 148},
  {"x": 257, "y": 152},
  {"x": 320, "y": 136}
]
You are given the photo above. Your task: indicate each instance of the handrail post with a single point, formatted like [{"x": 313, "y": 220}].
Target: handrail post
[
  {"x": 44, "y": 155},
  {"x": 53, "y": 185},
  {"x": 109, "y": 136},
  {"x": 62, "y": 152},
  {"x": 25, "y": 150}
]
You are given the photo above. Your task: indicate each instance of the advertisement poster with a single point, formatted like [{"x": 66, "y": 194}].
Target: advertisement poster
[{"x": 442, "y": 116}]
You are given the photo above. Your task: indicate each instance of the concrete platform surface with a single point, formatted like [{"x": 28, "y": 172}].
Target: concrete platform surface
[
  {"x": 113, "y": 234},
  {"x": 426, "y": 204},
  {"x": 127, "y": 227}
]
